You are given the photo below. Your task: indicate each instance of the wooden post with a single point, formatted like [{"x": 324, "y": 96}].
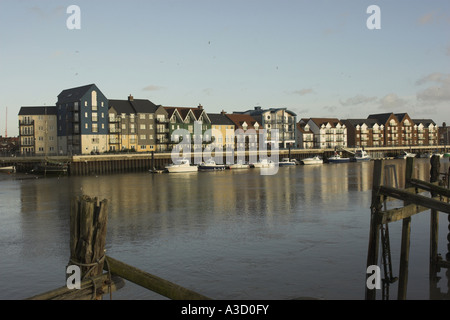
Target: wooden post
[
  {"x": 434, "y": 218},
  {"x": 375, "y": 223},
  {"x": 88, "y": 221},
  {"x": 405, "y": 242}
]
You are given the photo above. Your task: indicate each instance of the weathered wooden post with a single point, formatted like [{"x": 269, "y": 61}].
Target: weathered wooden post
[
  {"x": 88, "y": 220},
  {"x": 406, "y": 236},
  {"x": 434, "y": 219}
]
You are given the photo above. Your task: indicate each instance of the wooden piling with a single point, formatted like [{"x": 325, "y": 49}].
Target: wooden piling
[
  {"x": 88, "y": 221},
  {"x": 434, "y": 218}
]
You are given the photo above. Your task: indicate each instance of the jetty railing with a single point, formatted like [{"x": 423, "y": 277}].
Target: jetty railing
[{"x": 414, "y": 203}]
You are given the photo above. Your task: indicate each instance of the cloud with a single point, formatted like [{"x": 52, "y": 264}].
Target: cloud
[
  {"x": 303, "y": 92},
  {"x": 438, "y": 91},
  {"x": 433, "y": 17},
  {"x": 391, "y": 101},
  {"x": 426, "y": 18},
  {"x": 358, "y": 99},
  {"x": 152, "y": 88}
]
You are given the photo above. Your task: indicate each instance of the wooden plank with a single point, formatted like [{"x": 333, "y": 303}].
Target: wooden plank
[
  {"x": 415, "y": 198},
  {"x": 396, "y": 214},
  {"x": 151, "y": 282},
  {"x": 404, "y": 259},
  {"x": 86, "y": 292},
  {"x": 430, "y": 187}
]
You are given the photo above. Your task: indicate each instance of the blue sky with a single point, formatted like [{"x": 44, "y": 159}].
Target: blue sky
[{"x": 317, "y": 58}]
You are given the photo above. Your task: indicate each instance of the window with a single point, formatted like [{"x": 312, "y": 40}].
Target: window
[
  {"x": 142, "y": 127},
  {"x": 94, "y": 100},
  {"x": 85, "y": 114},
  {"x": 142, "y": 116},
  {"x": 94, "y": 127},
  {"x": 142, "y": 137},
  {"x": 94, "y": 117},
  {"x": 86, "y": 126}
]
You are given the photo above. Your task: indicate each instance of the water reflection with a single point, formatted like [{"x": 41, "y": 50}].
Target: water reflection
[{"x": 219, "y": 233}]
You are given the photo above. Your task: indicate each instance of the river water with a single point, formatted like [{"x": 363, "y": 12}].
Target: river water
[{"x": 227, "y": 235}]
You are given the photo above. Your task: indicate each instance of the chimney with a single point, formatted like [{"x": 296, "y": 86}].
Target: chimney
[
  {"x": 200, "y": 106},
  {"x": 258, "y": 108},
  {"x": 130, "y": 98},
  {"x": 223, "y": 112}
]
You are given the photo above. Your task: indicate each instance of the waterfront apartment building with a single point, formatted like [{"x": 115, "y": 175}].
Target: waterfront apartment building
[
  {"x": 251, "y": 129},
  {"x": 282, "y": 119},
  {"x": 364, "y": 133},
  {"x": 328, "y": 132},
  {"x": 194, "y": 120},
  {"x": 444, "y": 134},
  {"x": 304, "y": 136},
  {"x": 82, "y": 120},
  {"x": 37, "y": 131},
  {"x": 222, "y": 129},
  {"x": 137, "y": 125},
  {"x": 400, "y": 130}
]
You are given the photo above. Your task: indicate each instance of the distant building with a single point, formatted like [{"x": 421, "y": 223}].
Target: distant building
[
  {"x": 38, "y": 131},
  {"x": 364, "y": 133},
  {"x": 137, "y": 125},
  {"x": 426, "y": 131},
  {"x": 444, "y": 134},
  {"x": 189, "y": 119},
  {"x": 251, "y": 130},
  {"x": 328, "y": 132},
  {"x": 82, "y": 120},
  {"x": 276, "y": 118},
  {"x": 225, "y": 127},
  {"x": 9, "y": 146},
  {"x": 304, "y": 136}
]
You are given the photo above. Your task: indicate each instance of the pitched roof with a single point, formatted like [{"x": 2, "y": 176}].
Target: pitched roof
[
  {"x": 369, "y": 122},
  {"x": 382, "y": 117},
  {"x": 239, "y": 119},
  {"x": 73, "y": 94},
  {"x": 133, "y": 106},
  {"x": 259, "y": 110},
  {"x": 33, "y": 111},
  {"x": 301, "y": 127},
  {"x": 220, "y": 119},
  {"x": 332, "y": 121},
  {"x": 425, "y": 122}
]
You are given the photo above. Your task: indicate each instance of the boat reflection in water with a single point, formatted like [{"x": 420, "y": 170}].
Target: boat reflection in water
[{"x": 301, "y": 232}]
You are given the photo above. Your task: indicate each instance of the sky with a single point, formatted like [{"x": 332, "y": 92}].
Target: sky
[{"x": 316, "y": 58}]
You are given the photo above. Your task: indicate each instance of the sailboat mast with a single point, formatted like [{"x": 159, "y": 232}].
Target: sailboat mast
[{"x": 6, "y": 123}]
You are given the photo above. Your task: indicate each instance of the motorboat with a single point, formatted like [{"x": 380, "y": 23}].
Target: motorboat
[
  {"x": 9, "y": 169},
  {"x": 312, "y": 160},
  {"x": 239, "y": 165},
  {"x": 405, "y": 154},
  {"x": 48, "y": 167},
  {"x": 360, "y": 155},
  {"x": 336, "y": 158},
  {"x": 287, "y": 162},
  {"x": 182, "y": 165},
  {"x": 210, "y": 165},
  {"x": 264, "y": 163}
]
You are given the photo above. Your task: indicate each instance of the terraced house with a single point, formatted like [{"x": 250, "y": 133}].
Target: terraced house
[
  {"x": 364, "y": 133},
  {"x": 82, "y": 120},
  {"x": 328, "y": 132},
  {"x": 135, "y": 125},
  {"x": 194, "y": 120},
  {"x": 224, "y": 127}
]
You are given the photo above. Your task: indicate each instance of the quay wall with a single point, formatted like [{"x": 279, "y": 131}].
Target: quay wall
[{"x": 144, "y": 162}]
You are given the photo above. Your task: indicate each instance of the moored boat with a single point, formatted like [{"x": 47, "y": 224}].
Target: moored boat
[
  {"x": 405, "y": 154},
  {"x": 360, "y": 155},
  {"x": 312, "y": 160},
  {"x": 9, "y": 169},
  {"x": 287, "y": 162},
  {"x": 182, "y": 165},
  {"x": 336, "y": 158},
  {"x": 264, "y": 163},
  {"x": 210, "y": 165},
  {"x": 239, "y": 165}
]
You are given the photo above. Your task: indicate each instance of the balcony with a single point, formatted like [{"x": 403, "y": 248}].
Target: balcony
[
  {"x": 159, "y": 120},
  {"x": 26, "y": 123}
]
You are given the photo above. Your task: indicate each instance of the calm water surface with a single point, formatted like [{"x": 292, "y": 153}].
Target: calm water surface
[{"x": 227, "y": 235}]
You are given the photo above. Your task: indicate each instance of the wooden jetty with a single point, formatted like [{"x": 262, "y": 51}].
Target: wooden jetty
[
  {"x": 414, "y": 203},
  {"x": 88, "y": 225}
]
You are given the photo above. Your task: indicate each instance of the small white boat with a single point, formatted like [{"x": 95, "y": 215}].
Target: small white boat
[
  {"x": 210, "y": 165},
  {"x": 337, "y": 159},
  {"x": 287, "y": 162},
  {"x": 437, "y": 153},
  {"x": 182, "y": 165},
  {"x": 264, "y": 163},
  {"x": 360, "y": 155},
  {"x": 9, "y": 169},
  {"x": 239, "y": 165},
  {"x": 312, "y": 160},
  {"x": 404, "y": 155},
  {"x": 425, "y": 155}
]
